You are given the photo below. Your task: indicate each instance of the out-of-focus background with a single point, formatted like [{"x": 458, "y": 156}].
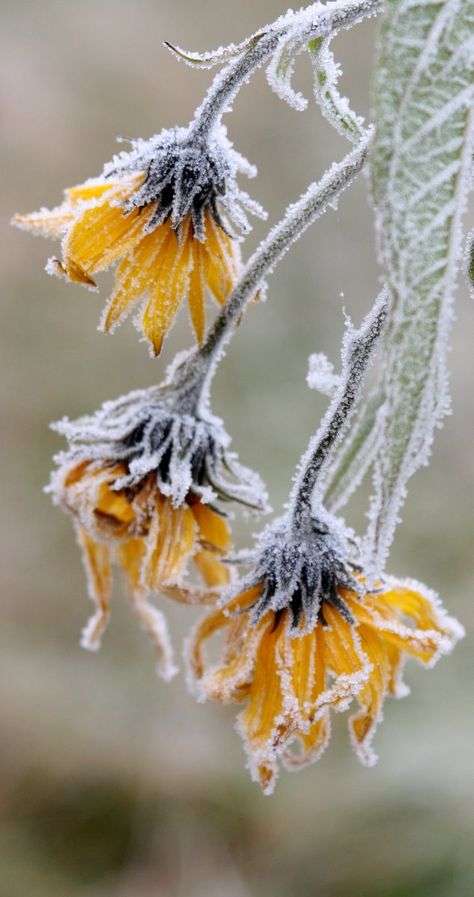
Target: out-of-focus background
[{"x": 111, "y": 782}]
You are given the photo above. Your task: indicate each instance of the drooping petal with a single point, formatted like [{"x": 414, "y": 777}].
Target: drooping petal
[
  {"x": 101, "y": 235},
  {"x": 170, "y": 543},
  {"x": 344, "y": 658},
  {"x": 197, "y": 291},
  {"x": 211, "y": 623},
  {"x": 214, "y": 531},
  {"x": 221, "y": 261},
  {"x": 261, "y": 723},
  {"x": 213, "y": 571},
  {"x": 97, "y": 564},
  {"x": 371, "y": 697},
  {"x": 130, "y": 556},
  {"x": 311, "y": 744},
  {"x": 169, "y": 289},
  {"x": 135, "y": 276}
]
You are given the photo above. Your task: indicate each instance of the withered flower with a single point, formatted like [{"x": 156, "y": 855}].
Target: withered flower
[
  {"x": 161, "y": 213},
  {"x": 304, "y": 636},
  {"x": 144, "y": 480}
]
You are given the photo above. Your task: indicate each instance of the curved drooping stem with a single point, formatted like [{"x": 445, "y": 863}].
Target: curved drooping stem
[
  {"x": 357, "y": 353},
  {"x": 200, "y": 365},
  {"x": 316, "y": 21},
  {"x": 228, "y": 82}
]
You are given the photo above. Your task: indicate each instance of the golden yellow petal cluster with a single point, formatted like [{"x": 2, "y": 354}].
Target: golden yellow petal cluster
[
  {"x": 159, "y": 269},
  {"x": 140, "y": 531},
  {"x": 290, "y": 681}
]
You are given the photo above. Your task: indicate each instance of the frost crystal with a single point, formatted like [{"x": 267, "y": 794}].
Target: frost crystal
[
  {"x": 187, "y": 174},
  {"x": 321, "y": 375},
  {"x": 300, "y": 571},
  {"x": 151, "y": 434}
]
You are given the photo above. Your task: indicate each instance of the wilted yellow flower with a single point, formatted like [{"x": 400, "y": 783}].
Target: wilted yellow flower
[
  {"x": 152, "y": 542},
  {"x": 291, "y": 667},
  {"x": 154, "y": 213}
]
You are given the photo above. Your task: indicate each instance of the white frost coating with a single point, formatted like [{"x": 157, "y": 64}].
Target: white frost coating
[
  {"x": 469, "y": 262},
  {"x": 358, "y": 348},
  {"x": 187, "y": 173},
  {"x": 335, "y": 108},
  {"x": 280, "y": 42},
  {"x": 151, "y": 432},
  {"x": 153, "y": 621},
  {"x": 356, "y": 454},
  {"x": 421, "y": 175},
  {"x": 321, "y": 375}
]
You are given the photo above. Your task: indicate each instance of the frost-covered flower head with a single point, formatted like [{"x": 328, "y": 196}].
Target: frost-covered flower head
[
  {"x": 160, "y": 431},
  {"x": 165, "y": 211},
  {"x": 304, "y": 631},
  {"x": 160, "y": 211},
  {"x": 303, "y": 636},
  {"x": 145, "y": 479},
  {"x": 187, "y": 174}
]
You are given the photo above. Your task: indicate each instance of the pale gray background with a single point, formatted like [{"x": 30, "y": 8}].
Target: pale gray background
[{"x": 112, "y": 782}]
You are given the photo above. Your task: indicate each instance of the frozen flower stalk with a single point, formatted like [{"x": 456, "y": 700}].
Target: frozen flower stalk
[{"x": 303, "y": 633}]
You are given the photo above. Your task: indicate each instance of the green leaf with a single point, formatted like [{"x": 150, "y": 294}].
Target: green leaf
[{"x": 420, "y": 173}]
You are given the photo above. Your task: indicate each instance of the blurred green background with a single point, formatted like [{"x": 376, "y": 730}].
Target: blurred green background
[{"x": 113, "y": 783}]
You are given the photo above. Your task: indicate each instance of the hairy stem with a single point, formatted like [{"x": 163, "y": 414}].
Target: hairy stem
[
  {"x": 318, "y": 197},
  {"x": 316, "y": 21},
  {"x": 199, "y": 366},
  {"x": 358, "y": 350}
]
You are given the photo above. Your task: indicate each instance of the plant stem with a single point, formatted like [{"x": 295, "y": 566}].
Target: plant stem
[
  {"x": 316, "y": 21},
  {"x": 318, "y": 197},
  {"x": 358, "y": 350}
]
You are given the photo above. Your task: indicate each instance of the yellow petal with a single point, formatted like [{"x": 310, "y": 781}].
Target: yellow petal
[
  {"x": 96, "y": 559},
  {"x": 212, "y": 622},
  {"x": 113, "y": 506},
  {"x": 340, "y": 649},
  {"x": 171, "y": 541},
  {"x": 411, "y": 604},
  {"x": 72, "y": 271},
  {"x": 311, "y": 744},
  {"x": 212, "y": 570},
  {"x": 214, "y": 531},
  {"x": 303, "y": 660},
  {"x": 386, "y": 619},
  {"x": 265, "y": 702},
  {"x": 170, "y": 288},
  {"x": 197, "y": 291},
  {"x": 47, "y": 222},
  {"x": 221, "y": 261},
  {"x": 98, "y": 187},
  {"x": 130, "y": 556},
  {"x": 135, "y": 276},
  {"x": 101, "y": 235},
  {"x": 371, "y": 697}
]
